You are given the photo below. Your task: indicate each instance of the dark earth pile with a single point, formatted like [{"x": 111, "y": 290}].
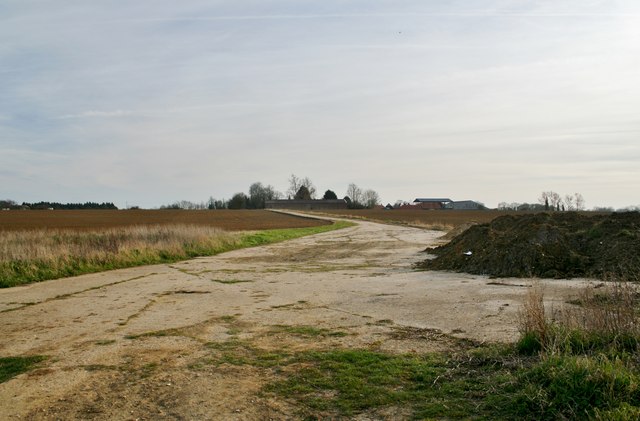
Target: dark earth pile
[{"x": 546, "y": 245}]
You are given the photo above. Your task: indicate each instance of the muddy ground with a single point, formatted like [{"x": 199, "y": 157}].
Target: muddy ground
[{"x": 145, "y": 343}]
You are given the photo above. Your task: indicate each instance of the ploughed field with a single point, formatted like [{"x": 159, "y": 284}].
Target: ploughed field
[
  {"x": 434, "y": 219},
  {"x": 228, "y": 220}
]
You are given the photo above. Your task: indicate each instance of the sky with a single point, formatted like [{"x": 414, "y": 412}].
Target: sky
[{"x": 146, "y": 102}]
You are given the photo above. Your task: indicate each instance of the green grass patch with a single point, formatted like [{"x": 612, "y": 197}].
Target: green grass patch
[
  {"x": 574, "y": 387},
  {"x": 12, "y": 366},
  {"x": 343, "y": 383},
  {"x": 278, "y": 235}
]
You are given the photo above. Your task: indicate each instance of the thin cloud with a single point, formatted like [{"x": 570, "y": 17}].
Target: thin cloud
[
  {"x": 402, "y": 46},
  {"x": 478, "y": 14},
  {"x": 98, "y": 114}
]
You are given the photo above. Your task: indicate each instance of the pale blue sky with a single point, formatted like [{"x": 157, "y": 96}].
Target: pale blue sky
[{"x": 149, "y": 102}]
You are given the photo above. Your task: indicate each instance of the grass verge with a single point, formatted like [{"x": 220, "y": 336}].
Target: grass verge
[
  {"x": 35, "y": 256},
  {"x": 12, "y": 366},
  {"x": 260, "y": 238}
]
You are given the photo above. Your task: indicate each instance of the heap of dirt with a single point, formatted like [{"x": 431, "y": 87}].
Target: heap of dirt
[{"x": 546, "y": 245}]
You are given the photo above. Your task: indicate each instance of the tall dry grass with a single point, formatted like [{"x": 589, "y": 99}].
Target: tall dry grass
[
  {"x": 587, "y": 363},
  {"x": 602, "y": 315},
  {"x": 27, "y": 256},
  {"x": 37, "y": 255},
  {"x": 532, "y": 316},
  {"x": 609, "y": 308}
]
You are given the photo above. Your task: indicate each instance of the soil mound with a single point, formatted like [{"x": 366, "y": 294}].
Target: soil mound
[{"x": 546, "y": 245}]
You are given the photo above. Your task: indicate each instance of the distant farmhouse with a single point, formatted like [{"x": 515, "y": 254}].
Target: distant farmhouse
[
  {"x": 306, "y": 204},
  {"x": 431, "y": 203},
  {"x": 445, "y": 203},
  {"x": 467, "y": 205}
]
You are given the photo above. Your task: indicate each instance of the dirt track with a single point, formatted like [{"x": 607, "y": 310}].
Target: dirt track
[{"x": 139, "y": 343}]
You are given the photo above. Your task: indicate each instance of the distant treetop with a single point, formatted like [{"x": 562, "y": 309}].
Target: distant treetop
[
  {"x": 69, "y": 206},
  {"x": 330, "y": 195}
]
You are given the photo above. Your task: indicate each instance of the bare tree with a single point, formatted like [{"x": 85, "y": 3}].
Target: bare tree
[
  {"x": 544, "y": 199},
  {"x": 569, "y": 202},
  {"x": 355, "y": 194},
  {"x": 370, "y": 198},
  {"x": 309, "y": 185},
  {"x": 579, "y": 201},
  {"x": 550, "y": 200},
  {"x": 555, "y": 200},
  {"x": 259, "y": 194},
  {"x": 295, "y": 183}
]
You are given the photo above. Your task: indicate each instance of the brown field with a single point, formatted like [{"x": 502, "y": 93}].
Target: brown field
[
  {"x": 230, "y": 220},
  {"x": 432, "y": 219}
]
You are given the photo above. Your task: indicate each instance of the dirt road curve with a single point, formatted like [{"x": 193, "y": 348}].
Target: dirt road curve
[{"x": 145, "y": 343}]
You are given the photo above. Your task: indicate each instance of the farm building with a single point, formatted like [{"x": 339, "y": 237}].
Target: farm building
[
  {"x": 444, "y": 203},
  {"x": 431, "y": 203},
  {"x": 306, "y": 204},
  {"x": 465, "y": 205}
]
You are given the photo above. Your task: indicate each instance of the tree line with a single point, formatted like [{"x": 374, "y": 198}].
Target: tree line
[
  {"x": 300, "y": 188},
  {"x": 11, "y": 204},
  {"x": 549, "y": 201}
]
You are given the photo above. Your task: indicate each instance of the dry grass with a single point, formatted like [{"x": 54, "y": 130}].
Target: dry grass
[
  {"x": 532, "y": 316},
  {"x": 608, "y": 308},
  {"x": 47, "y": 244},
  {"x": 603, "y": 315},
  {"x": 34, "y": 255}
]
